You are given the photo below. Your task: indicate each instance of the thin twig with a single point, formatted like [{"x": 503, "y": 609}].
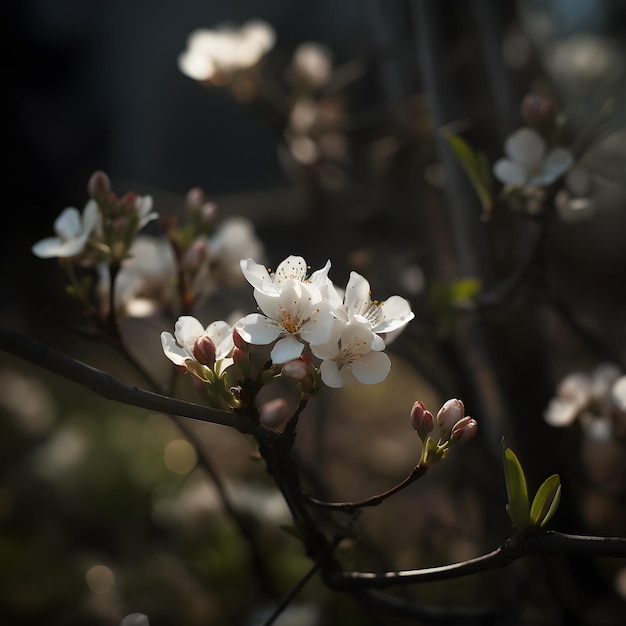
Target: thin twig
[{"x": 351, "y": 507}]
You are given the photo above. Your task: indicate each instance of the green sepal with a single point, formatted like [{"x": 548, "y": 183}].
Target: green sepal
[
  {"x": 518, "y": 507},
  {"x": 546, "y": 501},
  {"x": 476, "y": 167}
]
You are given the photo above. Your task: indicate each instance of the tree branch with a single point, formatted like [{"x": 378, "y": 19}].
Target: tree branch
[{"x": 108, "y": 387}]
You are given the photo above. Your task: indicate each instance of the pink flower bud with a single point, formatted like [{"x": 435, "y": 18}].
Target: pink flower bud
[
  {"x": 239, "y": 341},
  {"x": 208, "y": 212},
  {"x": 195, "y": 255},
  {"x": 538, "y": 109},
  {"x": 449, "y": 414},
  {"x": 240, "y": 359},
  {"x": 194, "y": 199},
  {"x": 273, "y": 413},
  {"x": 99, "y": 185},
  {"x": 204, "y": 350},
  {"x": 464, "y": 430},
  {"x": 422, "y": 419}
]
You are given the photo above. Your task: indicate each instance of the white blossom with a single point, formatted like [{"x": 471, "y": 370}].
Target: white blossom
[
  {"x": 352, "y": 354},
  {"x": 528, "y": 163},
  {"x": 218, "y": 53},
  {"x": 294, "y": 312},
  {"x": 182, "y": 347},
  {"x": 72, "y": 232},
  {"x": 383, "y": 317}
]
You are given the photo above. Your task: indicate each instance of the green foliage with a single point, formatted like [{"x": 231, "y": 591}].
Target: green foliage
[
  {"x": 518, "y": 506},
  {"x": 476, "y": 167},
  {"x": 546, "y": 500},
  {"x": 449, "y": 298}
]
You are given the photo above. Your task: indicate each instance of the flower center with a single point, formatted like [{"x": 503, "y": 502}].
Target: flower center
[{"x": 352, "y": 351}]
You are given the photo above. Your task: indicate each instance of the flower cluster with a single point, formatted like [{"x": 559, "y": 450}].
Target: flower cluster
[
  {"x": 304, "y": 317},
  {"x": 104, "y": 231}
]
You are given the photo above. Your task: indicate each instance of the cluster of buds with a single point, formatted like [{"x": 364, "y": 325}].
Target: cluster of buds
[{"x": 453, "y": 425}]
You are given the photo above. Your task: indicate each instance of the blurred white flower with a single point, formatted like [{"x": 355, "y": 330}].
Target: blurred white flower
[
  {"x": 72, "y": 232},
  {"x": 529, "y": 163},
  {"x": 219, "y": 53},
  {"x": 234, "y": 240},
  {"x": 579, "y": 392},
  {"x": 311, "y": 64}
]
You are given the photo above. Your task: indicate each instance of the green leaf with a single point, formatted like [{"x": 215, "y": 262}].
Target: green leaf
[
  {"x": 546, "y": 501},
  {"x": 476, "y": 167},
  {"x": 518, "y": 507}
]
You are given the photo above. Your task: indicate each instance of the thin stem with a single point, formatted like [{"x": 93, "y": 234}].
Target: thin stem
[
  {"x": 287, "y": 600},
  {"x": 289, "y": 432},
  {"x": 351, "y": 507}
]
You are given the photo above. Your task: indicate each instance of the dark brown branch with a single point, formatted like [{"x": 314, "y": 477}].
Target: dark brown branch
[
  {"x": 108, "y": 387},
  {"x": 351, "y": 507},
  {"x": 546, "y": 544}
]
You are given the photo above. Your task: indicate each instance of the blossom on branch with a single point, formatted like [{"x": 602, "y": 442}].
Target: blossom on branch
[
  {"x": 199, "y": 350},
  {"x": 72, "y": 233},
  {"x": 529, "y": 163}
]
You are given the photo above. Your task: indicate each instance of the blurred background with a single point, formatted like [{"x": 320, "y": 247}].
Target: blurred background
[{"x": 104, "y": 509}]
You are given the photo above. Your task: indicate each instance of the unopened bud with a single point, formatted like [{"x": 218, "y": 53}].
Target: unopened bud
[
  {"x": 464, "y": 430},
  {"x": 128, "y": 202},
  {"x": 208, "y": 212},
  {"x": 239, "y": 341},
  {"x": 273, "y": 413},
  {"x": 195, "y": 255},
  {"x": 194, "y": 199},
  {"x": 204, "y": 350},
  {"x": 538, "y": 110},
  {"x": 99, "y": 185},
  {"x": 240, "y": 359},
  {"x": 422, "y": 420},
  {"x": 297, "y": 369},
  {"x": 449, "y": 414}
]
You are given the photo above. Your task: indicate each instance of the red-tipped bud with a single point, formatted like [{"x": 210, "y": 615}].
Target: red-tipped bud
[
  {"x": 538, "y": 110},
  {"x": 464, "y": 430},
  {"x": 204, "y": 350},
  {"x": 99, "y": 185},
  {"x": 422, "y": 420},
  {"x": 195, "y": 255},
  {"x": 194, "y": 199},
  {"x": 240, "y": 359},
  {"x": 273, "y": 413},
  {"x": 449, "y": 414},
  {"x": 208, "y": 212},
  {"x": 239, "y": 341}
]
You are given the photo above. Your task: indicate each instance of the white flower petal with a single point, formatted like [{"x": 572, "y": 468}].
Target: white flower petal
[
  {"x": 258, "y": 329},
  {"x": 396, "y": 313},
  {"x": 319, "y": 278},
  {"x": 357, "y": 294},
  {"x": 509, "y": 173},
  {"x": 52, "y": 247},
  {"x": 372, "y": 368},
  {"x": 258, "y": 276},
  {"x": 329, "y": 371},
  {"x": 286, "y": 349},
  {"x": 91, "y": 213},
  {"x": 186, "y": 330},
  {"x": 292, "y": 268},
  {"x": 222, "y": 336},
  {"x": 561, "y": 412},
  {"x": 68, "y": 224},
  {"x": 525, "y": 146},
  {"x": 556, "y": 163},
  {"x": 172, "y": 350}
]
